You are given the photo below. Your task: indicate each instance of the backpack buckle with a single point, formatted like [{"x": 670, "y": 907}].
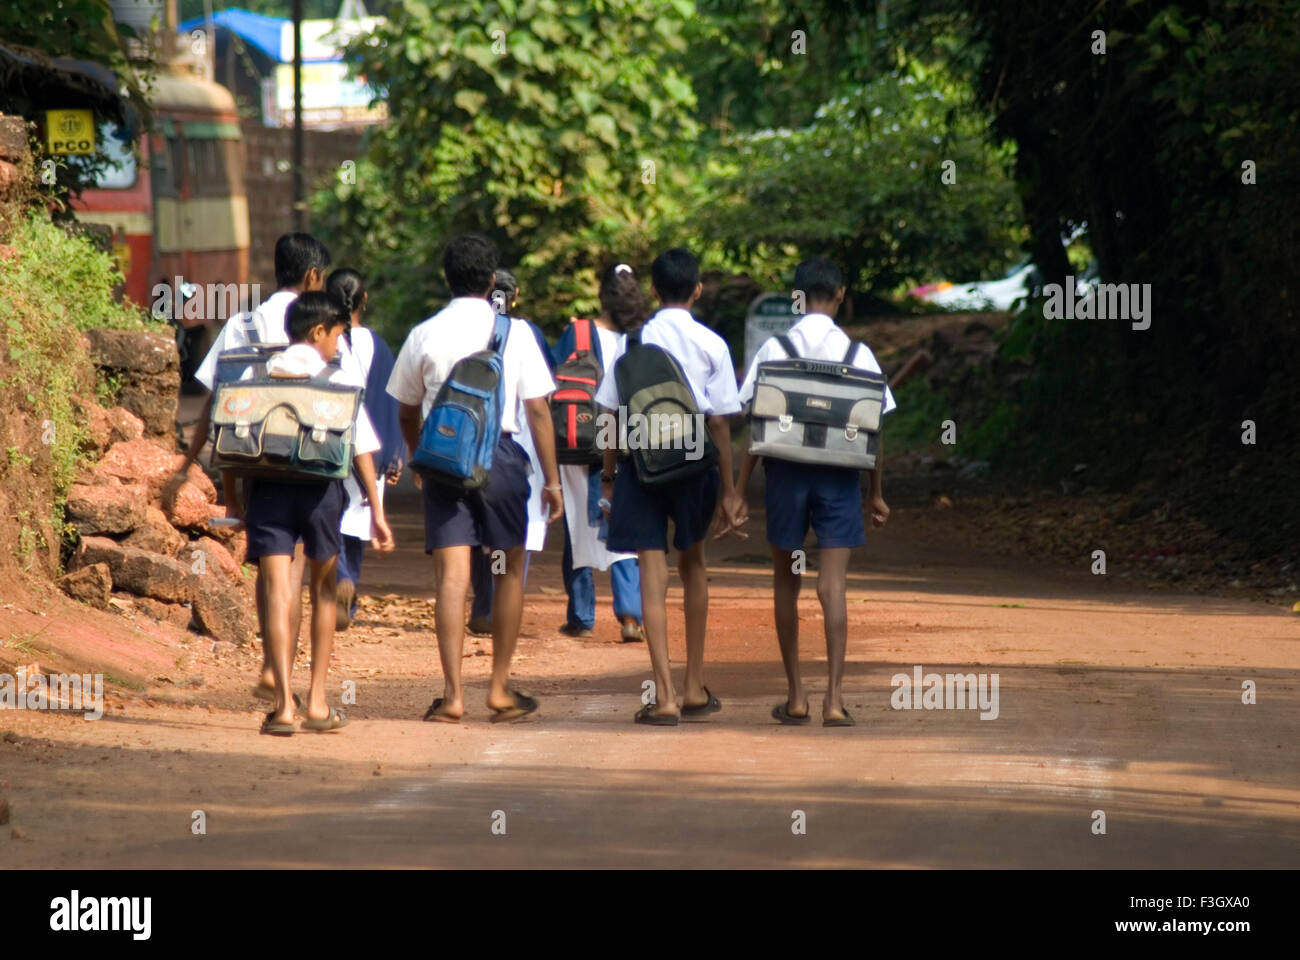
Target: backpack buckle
[
  {"x": 318, "y": 434},
  {"x": 851, "y": 431},
  {"x": 241, "y": 428},
  {"x": 784, "y": 422}
]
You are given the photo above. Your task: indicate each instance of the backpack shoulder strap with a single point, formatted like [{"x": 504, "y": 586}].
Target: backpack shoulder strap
[
  {"x": 500, "y": 333},
  {"x": 582, "y": 335},
  {"x": 634, "y": 338},
  {"x": 851, "y": 352},
  {"x": 249, "y": 323},
  {"x": 787, "y": 345}
]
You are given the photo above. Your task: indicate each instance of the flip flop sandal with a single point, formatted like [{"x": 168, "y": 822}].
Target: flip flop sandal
[
  {"x": 633, "y": 633},
  {"x": 435, "y": 715},
  {"x": 703, "y": 709},
  {"x": 523, "y": 706},
  {"x": 333, "y": 722},
  {"x": 654, "y": 719},
  {"x": 782, "y": 712},
  {"x": 276, "y": 728},
  {"x": 268, "y": 693},
  {"x": 844, "y": 721}
]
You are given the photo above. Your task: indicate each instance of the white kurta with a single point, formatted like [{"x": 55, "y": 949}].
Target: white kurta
[
  {"x": 588, "y": 549},
  {"x": 356, "y": 515},
  {"x": 535, "y": 539}
]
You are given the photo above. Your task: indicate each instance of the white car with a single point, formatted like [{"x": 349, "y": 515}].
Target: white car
[{"x": 1000, "y": 294}]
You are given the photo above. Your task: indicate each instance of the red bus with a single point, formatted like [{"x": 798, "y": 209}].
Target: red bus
[{"x": 177, "y": 207}]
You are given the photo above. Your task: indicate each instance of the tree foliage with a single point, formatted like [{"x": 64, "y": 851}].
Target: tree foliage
[
  {"x": 545, "y": 124},
  {"x": 895, "y": 180}
]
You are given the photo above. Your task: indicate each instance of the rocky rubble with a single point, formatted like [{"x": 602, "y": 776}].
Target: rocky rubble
[
  {"x": 146, "y": 542},
  {"x": 146, "y": 368}
]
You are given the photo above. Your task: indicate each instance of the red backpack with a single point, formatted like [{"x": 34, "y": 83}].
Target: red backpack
[{"x": 573, "y": 405}]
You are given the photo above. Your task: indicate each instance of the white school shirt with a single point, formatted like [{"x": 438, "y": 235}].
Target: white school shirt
[
  {"x": 815, "y": 337},
  {"x": 703, "y": 355},
  {"x": 462, "y": 327},
  {"x": 303, "y": 358},
  {"x": 363, "y": 348},
  {"x": 269, "y": 321},
  {"x": 588, "y": 549}
]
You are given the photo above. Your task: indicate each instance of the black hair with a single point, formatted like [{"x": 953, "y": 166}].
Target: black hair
[
  {"x": 468, "y": 264},
  {"x": 621, "y": 297},
  {"x": 314, "y": 309},
  {"x": 818, "y": 278},
  {"x": 675, "y": 273},
  {"x": 346, "y": 286},
  {"x": 295, "y": 254},
  {"x": 507, "y": 286}
]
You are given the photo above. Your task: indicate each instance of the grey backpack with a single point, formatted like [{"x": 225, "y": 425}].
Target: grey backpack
[{"x": 816, "y": 411}]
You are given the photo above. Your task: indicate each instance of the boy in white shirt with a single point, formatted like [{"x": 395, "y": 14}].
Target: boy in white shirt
[
  {"x": 279, "y": 515},
  {"x": 638, "y": 518},
  {"x": 827, "y": 498},
  {"x": 300, "y": 264},
  {"x": 495, "y": 516}
]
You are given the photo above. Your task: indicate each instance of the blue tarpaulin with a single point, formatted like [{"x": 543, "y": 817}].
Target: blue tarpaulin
[{"x": 258, "y": 29}]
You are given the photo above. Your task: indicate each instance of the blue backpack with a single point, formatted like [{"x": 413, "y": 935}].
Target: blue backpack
[{"x": 464, "y": 424}]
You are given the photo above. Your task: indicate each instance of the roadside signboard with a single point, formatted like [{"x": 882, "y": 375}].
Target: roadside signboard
[
  {"x": 769, "y": 314},
  {"x": 70, "y": 131}
]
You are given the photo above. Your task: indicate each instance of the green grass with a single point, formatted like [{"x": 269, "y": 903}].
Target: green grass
[{"x": 56, "y": 286}]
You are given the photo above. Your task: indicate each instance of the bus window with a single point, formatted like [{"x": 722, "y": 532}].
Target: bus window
[
  {"x": 119, "y": 172},
  {"x": 208, "y": 168}
]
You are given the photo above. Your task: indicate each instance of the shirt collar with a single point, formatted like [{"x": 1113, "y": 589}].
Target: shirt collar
[
  {"x": 815, "y": 324},
  {"x": 674, "y": 315}
]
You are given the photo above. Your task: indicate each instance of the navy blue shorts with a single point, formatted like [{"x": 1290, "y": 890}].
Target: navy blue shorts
[
  {"x": 278, "y": 515},
  {"x": 495, "y": 516},
  {"x": 827, "y": 498},
  {"x": 638, "y": 516}
]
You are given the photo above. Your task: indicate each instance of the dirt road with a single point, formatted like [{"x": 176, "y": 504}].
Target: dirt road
[{"x": 1110, "y": 700}]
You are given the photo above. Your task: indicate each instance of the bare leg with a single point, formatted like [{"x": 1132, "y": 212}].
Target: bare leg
[
  {"x": 785, "y": 606},
  {"x": 695, "y": 582},
  {"x": 295, "y": 613},
  {"x": 507, "y": 613},
  {"x": 654, "y": 617},
  {"x": 832, "y": 572},
  {"x": 324, "y": 586},
  {"x": 451, "y": 567},
  {"x": 277, "y": 577}
]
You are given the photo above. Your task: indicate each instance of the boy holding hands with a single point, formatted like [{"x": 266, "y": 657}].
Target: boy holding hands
[
  {"x": 827, "y": 498},
  {"x": 638, "y": 519}
]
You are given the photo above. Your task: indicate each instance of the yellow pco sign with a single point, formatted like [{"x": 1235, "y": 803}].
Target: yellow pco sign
[{"x": 70, "y": 131}]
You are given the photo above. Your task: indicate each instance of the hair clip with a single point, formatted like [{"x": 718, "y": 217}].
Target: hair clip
[{"x": 622, "y": 268}]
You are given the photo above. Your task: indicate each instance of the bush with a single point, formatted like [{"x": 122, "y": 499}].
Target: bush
[{"x": 55, "y": 286}]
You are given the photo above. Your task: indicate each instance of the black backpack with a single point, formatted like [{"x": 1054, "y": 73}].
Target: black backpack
[
  {"x": 573, "y": 405},
  {"x": 657, "y": 397}
]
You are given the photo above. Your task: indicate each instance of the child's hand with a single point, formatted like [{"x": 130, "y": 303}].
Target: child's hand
[
  {"x": 732, "y": 515},
  {"x": 235, "y": 511},
  {"x": 392, "y": 477},
  {"x": 879, "y": 511},
  {"x": 381, "y": 538},
  {"x": 553, "y": 497}
]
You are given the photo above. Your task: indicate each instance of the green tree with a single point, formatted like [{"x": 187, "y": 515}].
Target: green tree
[
  {"x": 549, "y": 125},
  {"x": 895, "y": 180}
]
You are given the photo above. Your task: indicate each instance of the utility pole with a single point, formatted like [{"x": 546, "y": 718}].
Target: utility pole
[{"x": 299, "y": 203}]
